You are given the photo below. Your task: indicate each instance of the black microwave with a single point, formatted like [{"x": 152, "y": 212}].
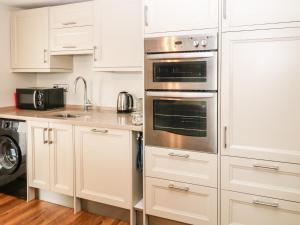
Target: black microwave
[{"x": 40, "y": 98}]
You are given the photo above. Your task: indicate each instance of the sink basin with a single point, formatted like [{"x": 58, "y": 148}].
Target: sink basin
[{"x": 66, "y": 115}]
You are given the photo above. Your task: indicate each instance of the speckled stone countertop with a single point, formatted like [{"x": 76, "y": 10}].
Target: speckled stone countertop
[{"x": 97, "y": 117}]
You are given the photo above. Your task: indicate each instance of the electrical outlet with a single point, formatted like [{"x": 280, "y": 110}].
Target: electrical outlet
[{"x": 64, "y": 86}]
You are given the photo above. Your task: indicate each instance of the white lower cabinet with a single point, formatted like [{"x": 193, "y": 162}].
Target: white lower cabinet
[
  {"x": 182, "y": 202},
  {"x": 103, "y": 165},
  {"x": 245, "y": 209},
  {"x": 272, "y": 179},
  {"x": 50, "y": 157},
  {"x": 183, "y": 166}
]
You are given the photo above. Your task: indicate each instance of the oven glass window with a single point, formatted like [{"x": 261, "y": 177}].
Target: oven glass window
[
  {"x": 187, "y": 118},
  {"x": 180, "y": 71}
]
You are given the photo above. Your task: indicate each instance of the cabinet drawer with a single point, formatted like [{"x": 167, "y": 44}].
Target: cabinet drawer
[
  {"x": 183, "y": 166},
  {"x": 246, "y": 209},
  {"x": 72, "y": 40},
  {"x": 181, "y": 202},
  {"x": 272, "y": 179},
  {"x": 71, "y": 15}
]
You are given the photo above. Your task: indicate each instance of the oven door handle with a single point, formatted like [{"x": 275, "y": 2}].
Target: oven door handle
[
  {"x": 181, "y": 55},
  {"x": 180, "y": 94}
]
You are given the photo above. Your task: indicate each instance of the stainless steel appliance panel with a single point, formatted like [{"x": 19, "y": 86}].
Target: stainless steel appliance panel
[{"x": 182, "y": 120}]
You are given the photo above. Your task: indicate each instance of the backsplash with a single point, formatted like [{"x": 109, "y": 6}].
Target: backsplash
[{"x": 103, "y": 87}]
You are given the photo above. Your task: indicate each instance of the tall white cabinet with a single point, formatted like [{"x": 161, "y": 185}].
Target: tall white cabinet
[
  {"x": 30, "y": 43},
  {"x": 118, "y": 41},
  {"x": 260, "y": 85}
]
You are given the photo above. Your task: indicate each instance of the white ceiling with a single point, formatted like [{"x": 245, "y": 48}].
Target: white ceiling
[{"x": 36, "y": 3}]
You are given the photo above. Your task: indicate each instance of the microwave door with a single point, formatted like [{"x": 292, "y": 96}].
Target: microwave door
[
  {"x": 183, "y": 120},
  {"x": 181, "y": 71},
  {"x": 26, "y": 99}
]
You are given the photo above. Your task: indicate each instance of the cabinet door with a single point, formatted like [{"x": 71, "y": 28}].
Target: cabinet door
[
  {"x": 38, "y": 155},
  {"x": 182, "y": 202},
  {"x": 260, "y": 85},
  {"x": 240, "y": 15},
  {"x": 61, "y": 158},
  {"x": 74, "y": 40},
  {"x": 118, "y": 35},
  {"x": 180, "y": 15},
  {"x": 185, "y": 166},
  {"x": 72, "y": 15},
  {"x": 29, "y": 43},
  {"x": 245, "y": 209},
  {"x": 103, "y": 165},
  {"x": 259, "y": 177}
]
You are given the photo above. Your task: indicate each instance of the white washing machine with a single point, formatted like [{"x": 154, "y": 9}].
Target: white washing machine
[{"x": 13, "y": 149}]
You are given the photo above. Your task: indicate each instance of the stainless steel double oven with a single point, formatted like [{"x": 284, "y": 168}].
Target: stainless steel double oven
[{"x": 181, "y": 92}]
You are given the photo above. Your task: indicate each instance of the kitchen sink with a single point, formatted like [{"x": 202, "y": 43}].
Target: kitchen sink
[{"x": 66, "y": 115}]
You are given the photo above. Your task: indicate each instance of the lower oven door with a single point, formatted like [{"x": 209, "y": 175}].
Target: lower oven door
[{"x": 182, "y": 120}]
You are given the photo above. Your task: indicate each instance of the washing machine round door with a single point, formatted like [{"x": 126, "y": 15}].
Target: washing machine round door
[{"x": 10, "y": 155}]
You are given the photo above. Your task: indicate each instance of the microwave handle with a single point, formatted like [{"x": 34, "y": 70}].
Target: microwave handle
[
  {"x": 187, "y": 55},
  {"x": 34, "y": 98},
  {"x": 180, "y": 94}
]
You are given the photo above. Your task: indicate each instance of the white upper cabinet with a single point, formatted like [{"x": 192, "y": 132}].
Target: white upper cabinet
[
  {"x": 118, "y": 35},
  {"x": 72, "y": 15},
  {"x": 30, "y": 43},
  {"x": 179, "y": 15},
  {"x": 71, "y": 29},
  {"x": 260, "y": 94},
  {"x": 256, "y": 14}
]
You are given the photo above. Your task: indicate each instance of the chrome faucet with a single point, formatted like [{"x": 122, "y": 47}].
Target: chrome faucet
[{"x": 87, "y": 103}]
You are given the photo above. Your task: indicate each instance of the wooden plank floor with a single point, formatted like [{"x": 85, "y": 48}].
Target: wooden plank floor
[{"x": 14, "y": 211}]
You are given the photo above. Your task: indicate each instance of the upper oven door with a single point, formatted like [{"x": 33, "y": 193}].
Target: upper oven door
[
  {"x": 182, "y": 120},
  {"x": 181, "y": 71}
]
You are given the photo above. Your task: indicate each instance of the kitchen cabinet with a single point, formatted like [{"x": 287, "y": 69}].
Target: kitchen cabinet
[
  {"x": 259, "y": 91},
  {"x": 182, "y": 202},
  {"x": 30, "y": 43},
  {"x": 72, "y": 28},
  {"x": 178, "y": 15},
  {"x": 50, "y": 157},
  {"x": 260, "y": 177},
  {"x": 251, "y": 15},
  {"x": 184, "y": 166},
  {"x": 72, "y": 15},
  {"x": 104, "y": 165},
  {"x": 247, "y": 209},
  {"x": 118, "y": 35}
]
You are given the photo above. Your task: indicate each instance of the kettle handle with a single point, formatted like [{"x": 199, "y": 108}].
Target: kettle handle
[{"x": 130, "y": 101}]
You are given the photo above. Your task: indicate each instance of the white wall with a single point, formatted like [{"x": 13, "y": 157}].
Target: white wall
[
  {"x": 103, "y": 88},
  {"x": 9, "y": 81}
]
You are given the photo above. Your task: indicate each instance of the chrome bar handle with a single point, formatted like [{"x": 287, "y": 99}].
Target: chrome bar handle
[
  {"x": 225, "y": 136},
  {"x": 175, "y": 94},
  {"x": 69, "y": 23},
  {"x": 224, "y": 9},
  {"x": 146, "y": 9},
  {"x": 69, "y": 46},
  {"x": 99, "y": 131},
  {"x": 172, "y": 154},
  {"x": 45, "y": 55},
  {"x": 49, "y": 136},
  {"x": 34, "y": 99},
  {"x": 172, "y": 186},
  {"x": 95, "y": 51},
  {"x": 44, "y": 135},
  {"x": 257, "y": 165},
  {"x": 271, "y": 204}
]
